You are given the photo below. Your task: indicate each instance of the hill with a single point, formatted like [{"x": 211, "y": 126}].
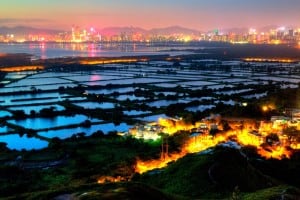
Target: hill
[
  {"x": 25, "y": 30},
  {"x": 214, "y": 175},
  {"x": 174, "y": 30}
]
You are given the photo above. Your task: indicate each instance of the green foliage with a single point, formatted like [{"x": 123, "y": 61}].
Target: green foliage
[
  {"x": 236, "y": 194},
  {"x": 48, "y": 112},
  {"x": 278, "y": 192},
  {"x": 187, "y": 177},
  {"x": 3, "y": 147},
  {"x": 212, "y": 175},
  {"x": 19, "y": 114},
  {"x": 82, "y": 161},
  {"x": 176, "y": 141}
]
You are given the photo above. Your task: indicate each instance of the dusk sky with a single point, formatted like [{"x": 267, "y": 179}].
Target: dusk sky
[{"x": 197, "y": 14}]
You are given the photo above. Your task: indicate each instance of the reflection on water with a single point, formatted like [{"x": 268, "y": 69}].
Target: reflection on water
[
  {"x": 136, "y": 112},
  {"x": 66, "y": 133},
  {"x": 10, "y": 100},
  {"x": 110, "y": 91},
  {"x": 42, "y": 123},
  {"x": 4, "y": 113},
  {"x": 152, "y": 118},
  {"x": 93, "y": 105},
  {"x": 52, "y": 50},
  {"x": 130, "y": 97},
  {"x": 14, "y": 141},
  {"x": 3, "y": 129},
  {"x": 27, "y": 109}
]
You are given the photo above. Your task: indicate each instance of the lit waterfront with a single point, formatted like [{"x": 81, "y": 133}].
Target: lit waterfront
[{"x": 59, "y": 50}]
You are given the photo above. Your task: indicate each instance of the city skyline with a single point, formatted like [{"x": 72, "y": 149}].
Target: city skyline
[{"x": 201, "y": 15}]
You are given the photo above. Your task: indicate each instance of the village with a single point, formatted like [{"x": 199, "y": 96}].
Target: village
[
  {"x": 276, "y": 138},
  {"x": 260, "y": 129}
]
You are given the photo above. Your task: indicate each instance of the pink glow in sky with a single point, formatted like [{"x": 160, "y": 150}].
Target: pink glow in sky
[{"x": 197, "y": 14}]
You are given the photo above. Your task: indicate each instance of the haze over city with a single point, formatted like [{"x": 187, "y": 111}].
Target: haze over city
[{"x": 201, "y": 15}]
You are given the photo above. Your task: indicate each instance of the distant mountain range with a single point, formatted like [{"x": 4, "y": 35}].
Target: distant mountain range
[
  {"x": 118, "y": 30},
  {"x": 244, "y": 30},
  {"x": 173, "y": 30},
  {"x": 155, "y": 31},
  {"x": 24, "y": 30}
]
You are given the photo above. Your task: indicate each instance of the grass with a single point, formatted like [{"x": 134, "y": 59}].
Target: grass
[
  {"x": 208, "y": 176},
  {"x": 110, "y": 191},
  {"x": 187, "y": 177},
  {"x": 273, "y": 193}
]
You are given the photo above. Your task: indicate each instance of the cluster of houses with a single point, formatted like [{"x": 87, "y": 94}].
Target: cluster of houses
[{"x": 278, "y": 125}]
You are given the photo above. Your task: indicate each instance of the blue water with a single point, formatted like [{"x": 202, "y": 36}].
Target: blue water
[
  {"x": 54, "y": 50},
  {"x": 136, "y": 112},
  {"x": 3, "y": 129},
  {"x": 28, "y": 109},
  {"x": 4, "y": 113},
  {"x": 110, "y": 91},
  {"x": 14, "y": 141},
  {"x": 66, "y": 133},
  {"x": 42, "y": 123},
  {"x": 130, "y": 97},
  {"x": 93, "y": 105},
  {"x": 152, "y": 118}
]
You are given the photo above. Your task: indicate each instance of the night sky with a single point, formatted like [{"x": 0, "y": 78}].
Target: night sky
[{"x": 197, "y": 14}]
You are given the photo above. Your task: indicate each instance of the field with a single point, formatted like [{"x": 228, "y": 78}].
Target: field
[
  {"x": 133, "y": 92},
  {"x": 60, "y": 130}
]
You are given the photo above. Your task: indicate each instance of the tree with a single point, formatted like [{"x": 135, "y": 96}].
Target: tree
[
  {"x": 225, "y": 125},
  {"x": 3, "y": 147},
  {"x": 33, "y": 89},
  {"x": 32, "y": 113},
  {"x": 19, "y": 114},
  {"x": 272, "y": 138},
  {"x": 87, "y": 123},
  {"x": 55, "y": 143},
  {"x": 236, "y": 194},
  {"x": 98, "y": 133},
  {"x": 47, "y": 112},
  {"x": 31, "y": 132}
]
